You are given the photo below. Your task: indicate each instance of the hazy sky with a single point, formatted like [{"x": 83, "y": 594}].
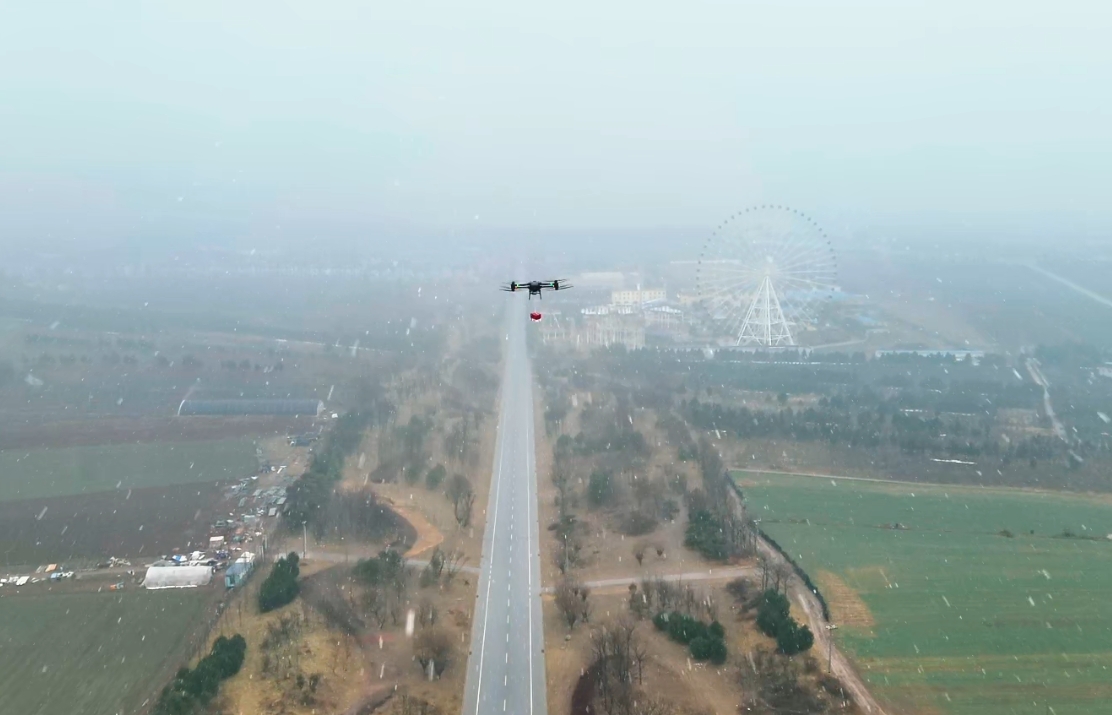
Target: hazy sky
[{"x": 254, "y": 120}]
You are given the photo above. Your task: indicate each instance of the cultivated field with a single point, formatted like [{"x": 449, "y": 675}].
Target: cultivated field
[
  {"x": 27, "y": 474},
  {"x": 946, "y": 613},
  {"x": 93, "y": 653},
  {"x": 87, "y": 528}
]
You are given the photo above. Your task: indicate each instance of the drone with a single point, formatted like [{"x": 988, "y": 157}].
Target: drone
[{"x": 535, "y": 287}]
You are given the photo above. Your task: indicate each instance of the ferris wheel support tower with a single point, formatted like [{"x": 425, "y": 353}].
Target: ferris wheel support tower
[
  {"x": 764, "y": 322},
  {"x": 763, "y": 275}
]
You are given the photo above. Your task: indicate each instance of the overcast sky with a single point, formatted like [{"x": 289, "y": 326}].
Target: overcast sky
[{"x": 250, "y": 121}]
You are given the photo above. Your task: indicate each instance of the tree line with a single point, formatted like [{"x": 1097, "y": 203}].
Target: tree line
[{"x": 193, "y": 689}]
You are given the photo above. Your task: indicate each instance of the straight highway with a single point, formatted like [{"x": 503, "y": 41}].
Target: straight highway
[{"x": 505, "y": 669}]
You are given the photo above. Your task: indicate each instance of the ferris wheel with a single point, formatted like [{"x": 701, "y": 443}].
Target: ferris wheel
[{"x": 763, "y": 274}]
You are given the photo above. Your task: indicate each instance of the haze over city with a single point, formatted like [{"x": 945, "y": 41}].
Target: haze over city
[
  {"x": 265, "y": 123},
  {"x": 437, "y": 358}
]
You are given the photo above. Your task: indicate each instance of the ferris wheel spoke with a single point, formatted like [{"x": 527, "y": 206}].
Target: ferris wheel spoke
[
  {"x": 802, "y": 256},
  {"x": 728, "y": 286},
  {"x": 765, "y": 271}
]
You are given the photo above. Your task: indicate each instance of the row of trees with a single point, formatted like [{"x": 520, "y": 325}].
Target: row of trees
[
  {"x": 307, "y": 498},
  {"x": 618, "y": 666},
  {"x": 193, "y": 689},
  {"x": 946, "y": 435},
  {"x": 385, "y": 582},
  {"x": 706, "y": 641}
]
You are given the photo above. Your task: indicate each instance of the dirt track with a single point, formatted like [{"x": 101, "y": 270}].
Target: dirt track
[{"x": 839, "y": 663}]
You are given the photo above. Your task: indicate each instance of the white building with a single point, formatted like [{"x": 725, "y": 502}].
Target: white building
[
  {"x": 637, "y": 297},
  {"x": 177, "y": 577}
]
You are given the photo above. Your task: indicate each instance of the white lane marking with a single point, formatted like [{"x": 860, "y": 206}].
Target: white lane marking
[
  {"x": 503, "y": 705},
  {"x": 530, "y": 507},
  {"x": 490, "y": 576}
]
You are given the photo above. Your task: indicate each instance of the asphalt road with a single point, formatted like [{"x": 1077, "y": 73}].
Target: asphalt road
[{"x": 505, "y": 669}]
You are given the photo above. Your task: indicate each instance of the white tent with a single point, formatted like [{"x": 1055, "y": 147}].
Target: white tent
[{"x": 177, "y": 576}]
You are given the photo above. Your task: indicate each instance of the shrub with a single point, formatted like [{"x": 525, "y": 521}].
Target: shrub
[
  {"x": 280, "y": 586},
  {"x": 794, "y": 638},
  {"x": 385, "y": 568},
  {"x": 774, "y": 620},
  {"x": 705, "y": 642},
  {"x": 600, "y": 489},
  {"x": 436, "y": 476},
  {"x": 709, "y": 648},
  {"x": 705, "y": 534}
]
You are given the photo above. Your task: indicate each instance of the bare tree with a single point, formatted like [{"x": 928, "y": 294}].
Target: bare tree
[
  {"x": 766, "y": 567},
  {"x": 453, "y": 562},
  {"x": 781, "y": 575},
  {"x": 376, "y": 605},
  {"x": 406, "y": 704},
  {"x": 426, "y": 613},
  {"x": 433, "y": 645},
  {"x": 572, "y": 600},
  {"x": 773, "y": 683},
  {"x": 612, "y": 648},
  {"x": 462, "y": 508}
]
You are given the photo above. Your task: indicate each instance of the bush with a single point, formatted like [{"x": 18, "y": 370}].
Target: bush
[
  {"x": 772, "y": 611},
  {"x": 383, "y": 569},
  {"x": 280, "y": 586},
  {"x": 794, "y": 638},
  {"x": 774, "y": 619},
  {"x": 436, "y": 476},
  {"x": 709, "y": 648},
  {"x": 705, "y": 642},
  {"x": 684, "y": 629},
  {"x": 412, "y": 474},
  {"x": 706, "y": 534},
  {"x": 600, "y": 489}
]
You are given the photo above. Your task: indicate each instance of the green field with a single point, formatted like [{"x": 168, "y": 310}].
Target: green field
[
  {"x": 965, "y": 620},
  {"x": 93, "y": 653},
  {"x": 37, "y": 473}
]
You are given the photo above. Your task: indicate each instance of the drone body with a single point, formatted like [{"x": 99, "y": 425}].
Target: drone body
[{"x": 535, "y": 288}]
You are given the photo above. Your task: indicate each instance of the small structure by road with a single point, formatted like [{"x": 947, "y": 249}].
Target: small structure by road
[{"x": 177, "y": 577}]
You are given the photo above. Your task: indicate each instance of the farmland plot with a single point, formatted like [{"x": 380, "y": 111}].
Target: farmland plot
[
  {"x": 26, "y": 474},
  {"x": 94, "y": 653},
  {"x": 956, "y": 599}
]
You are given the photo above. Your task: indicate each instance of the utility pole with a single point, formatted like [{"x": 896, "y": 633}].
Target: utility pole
[
  {"x": 829, "y": 651},
  {"x": 304, "y": 540}
]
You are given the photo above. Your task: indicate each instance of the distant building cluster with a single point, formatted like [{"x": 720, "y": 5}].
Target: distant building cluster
[{"x": 615, "y": 309}]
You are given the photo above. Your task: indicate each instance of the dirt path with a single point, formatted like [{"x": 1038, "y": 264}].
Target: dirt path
[
  {"x": 428, "y": 536},
  {"x": 723, "y": 574},
  {"x": 839, "y": 663}
]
